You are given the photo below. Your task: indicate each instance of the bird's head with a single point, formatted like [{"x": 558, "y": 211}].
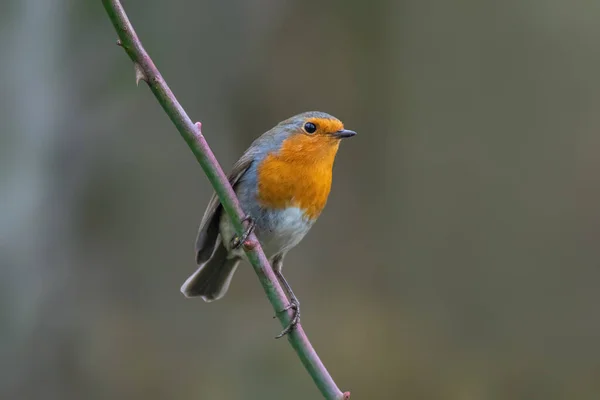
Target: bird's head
[
  {"x": 312, "y": 135},
  {"x": 316, "y": 126}
]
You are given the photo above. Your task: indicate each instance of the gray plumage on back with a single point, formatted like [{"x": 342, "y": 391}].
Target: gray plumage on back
[{"x": 208, "y": 231}]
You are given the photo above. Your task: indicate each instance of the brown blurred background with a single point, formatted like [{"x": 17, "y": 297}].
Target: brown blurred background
[{"x": 458, "y": 255}]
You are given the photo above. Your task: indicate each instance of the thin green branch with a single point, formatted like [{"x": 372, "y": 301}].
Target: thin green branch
[{"x": 146, "y": 70}]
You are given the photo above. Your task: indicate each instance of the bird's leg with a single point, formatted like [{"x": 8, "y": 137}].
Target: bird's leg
[
  {"x": 294, "y": 303},
  {"x": 238, "y": 241}
]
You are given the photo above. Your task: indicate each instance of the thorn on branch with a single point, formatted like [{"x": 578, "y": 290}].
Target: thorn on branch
[
  {"x": 139, "y": 74},
  {"x": 119, "y": 43},
  {"x": 199, "y": 127},
  {"x": 346, "y": 395}
]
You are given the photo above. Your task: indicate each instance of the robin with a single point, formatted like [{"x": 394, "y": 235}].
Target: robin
[{"x": 282, "y": 181}]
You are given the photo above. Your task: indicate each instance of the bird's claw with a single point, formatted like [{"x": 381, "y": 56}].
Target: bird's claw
[
  {"x": 238, "y": 241},
  {"x": 294, "y": 305}
]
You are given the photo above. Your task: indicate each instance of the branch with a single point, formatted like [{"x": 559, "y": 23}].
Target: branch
[{"x": 146, "y": 70}]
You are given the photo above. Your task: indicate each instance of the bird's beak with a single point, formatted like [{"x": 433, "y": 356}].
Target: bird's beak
[{"x": 344, "y": 133}]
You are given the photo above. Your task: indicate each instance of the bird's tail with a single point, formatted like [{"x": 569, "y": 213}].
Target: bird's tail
[{"x": 213, "y": 277}]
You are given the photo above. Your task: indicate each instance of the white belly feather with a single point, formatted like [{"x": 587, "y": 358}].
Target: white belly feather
[{"x": 277, "y": 230}]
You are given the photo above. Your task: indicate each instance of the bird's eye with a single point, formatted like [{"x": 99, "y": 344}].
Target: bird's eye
[{"x": 309, "y": 127}]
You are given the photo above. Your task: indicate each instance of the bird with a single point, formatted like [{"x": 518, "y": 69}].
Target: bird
[{"x": 282, "y": 181}]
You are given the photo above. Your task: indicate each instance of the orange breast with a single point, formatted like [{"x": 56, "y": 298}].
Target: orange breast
[{"x": 298, "y": 175}]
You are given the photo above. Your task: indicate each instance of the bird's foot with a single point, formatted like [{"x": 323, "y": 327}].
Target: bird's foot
[
  {"x": 295, "y": 306},
  {"x": 238, "y": 241}
]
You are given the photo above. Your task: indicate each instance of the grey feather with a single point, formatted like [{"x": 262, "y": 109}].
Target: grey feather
[
  {"x": 212, "y": 279},
  {"x": 206, "y": 240}
]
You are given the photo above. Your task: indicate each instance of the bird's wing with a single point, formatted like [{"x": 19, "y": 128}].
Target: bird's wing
[{"x": 209, "y": 226}]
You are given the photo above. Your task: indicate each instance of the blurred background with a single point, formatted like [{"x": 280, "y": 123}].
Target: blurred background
[{"x": 458, "y": 254}]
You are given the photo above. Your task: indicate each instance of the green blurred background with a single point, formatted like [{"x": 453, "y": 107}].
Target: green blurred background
[{"x": 457, "y": 257}]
